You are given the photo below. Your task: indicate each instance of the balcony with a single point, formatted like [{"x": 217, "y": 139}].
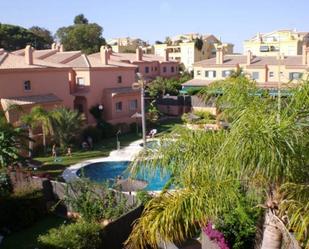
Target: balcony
[{"x": 79, "y": 89}]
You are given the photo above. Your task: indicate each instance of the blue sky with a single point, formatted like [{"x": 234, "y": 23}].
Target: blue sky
[{"x": 233, "y": 21}]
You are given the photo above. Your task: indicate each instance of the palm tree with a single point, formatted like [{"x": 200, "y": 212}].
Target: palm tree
[
  {"x": 30, "y": 122},
  {"x": 42, "y": 117},
  {"x": 66, "y": 124},
  {"x": 266, "y": 158}
]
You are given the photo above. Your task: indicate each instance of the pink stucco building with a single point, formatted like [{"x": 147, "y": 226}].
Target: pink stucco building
[
  {"x": 54, "y": 77},
  {"x": 28, "y": 81}
]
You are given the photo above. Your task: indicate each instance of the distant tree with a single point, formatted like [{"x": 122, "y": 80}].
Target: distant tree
[
  {"x": 45, "y": 34},
  {"x": 199, "y": 43},
  {"x": 14, "y": 37},
  {"x": 161, "y": 86},
  {"x": 168, "y": 40},
  {"x": 80, "y": 19},
  {"x": 83, "y": 36},
  {"x": 158, "y": 42}
]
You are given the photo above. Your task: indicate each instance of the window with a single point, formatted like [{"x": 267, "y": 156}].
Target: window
[
  {"x": 164, "y": 69},
  {"x": 118, "y": 106},
  {"x": 133, "y": 104},
  {"x": 198, "y": 72},
  {"x": 27, "y": 85},
  {"x": 271, "y": 75},
  {"x": 80, "y": 81},
  {"x": 137, "y": 70},
  {"x": 226, "y": 73},
  {"x": 151, "y": 69},
  {"x": 295, "y": 76},
  {"x": 146, "y": 69},
  {"x": 255, "y": 75},
  {"x": 119, "y": 79},
  {"x": 156, "y": 69},
  {"x": 264, "y": 49},
  {"x": 172, "y": 69},
  {"x": 210, "y": 74}
]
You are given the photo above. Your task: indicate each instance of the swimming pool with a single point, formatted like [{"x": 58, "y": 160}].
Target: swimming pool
[{"x": 109, "y": 170}]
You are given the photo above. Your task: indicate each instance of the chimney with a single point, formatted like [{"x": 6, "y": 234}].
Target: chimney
[
  {"x": 54, "y": 46},
  {"x": 104, "y": 55},
  {"x": 29, "y": 55},
  {"x": 61, "y": 48},
  {"x": 249, "y": 57},
  {"x": 259, "y": 37},
  {"x": 139, "y": 54},
  {"x": 219, "y": 56},
  {"x": 305, "y": 60},
  {"x": 166, "y": 58},
  {"x": 109, "y": 52}
]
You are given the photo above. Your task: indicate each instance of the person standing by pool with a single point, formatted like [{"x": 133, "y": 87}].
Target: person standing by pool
[
  {"x": 90, "y": 142},
  {"x": 54, "y": 151},
  {"x": 69, "y": 152}
]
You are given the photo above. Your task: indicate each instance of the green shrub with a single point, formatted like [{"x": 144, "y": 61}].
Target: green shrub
[
  {"x": 239, "y": 225},
  {"x": 143, "y": 196},
  {"x": 204, "y": 115},
  {"x": 93, "y": 132},
  {"x": 123, "y": 127},
  {"x": 6, "y": 187},
  {"x": 106, "y": 129},
  {"x": 94, "y": 202},
  {"x": 185, "y": 118},
  {"x": 22, "y": 209},
  {"x": 80, "y": 235}
]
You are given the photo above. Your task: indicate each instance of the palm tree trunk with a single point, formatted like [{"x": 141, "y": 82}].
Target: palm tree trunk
[
  {"x": 44, "y": 139},
  {"x": 272, "y": 236},
  {"x": 30, "y": 142}
]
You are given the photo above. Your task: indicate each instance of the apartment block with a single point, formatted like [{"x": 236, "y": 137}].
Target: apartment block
[
  {"x": 184, "y": 48},
  {"x": 267, "y": 71},
  {"x": 126, "y": 44},
  {"x": 287, "y": 42}
]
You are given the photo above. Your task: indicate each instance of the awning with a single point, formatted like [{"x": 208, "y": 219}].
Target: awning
[
  {"x": 30, "y": 100},
  {"x": 121, "y": 91},
  {"x": 283, "y": 93},
  {"x": 197, "y": 83}
]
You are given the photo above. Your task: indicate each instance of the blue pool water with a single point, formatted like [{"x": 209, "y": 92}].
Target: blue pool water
[{"x": 109, "y": 171}]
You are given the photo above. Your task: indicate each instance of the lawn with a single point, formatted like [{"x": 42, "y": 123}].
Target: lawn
[
  {"x": 27, "y": 239},
  {"x": 101, "y": 149}
]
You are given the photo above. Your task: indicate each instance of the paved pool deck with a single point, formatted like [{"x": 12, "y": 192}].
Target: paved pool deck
[{"x": 126, "y": 153}]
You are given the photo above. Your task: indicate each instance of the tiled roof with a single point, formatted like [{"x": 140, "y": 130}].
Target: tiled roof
[
  {"x": 13, "y": 61},
  {"x": 63, "y": 57},
  {"x": 132, "y": 57},
  {"x": 233, "y": 60},
  {"x": 29, "y": 100},
  {"x": 95, "y": 61}
]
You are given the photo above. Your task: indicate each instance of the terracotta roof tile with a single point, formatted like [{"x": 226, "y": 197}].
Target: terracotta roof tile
[{"x": 13, "y": 61}]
